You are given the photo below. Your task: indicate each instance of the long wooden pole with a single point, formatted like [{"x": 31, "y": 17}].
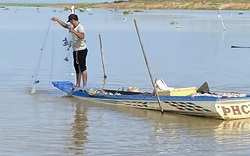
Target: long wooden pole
[
  {"x": 149, "y": 72},
  {"x": 103, "y": 62}
]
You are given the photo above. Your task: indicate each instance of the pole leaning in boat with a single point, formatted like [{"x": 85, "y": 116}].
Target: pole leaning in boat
[
  {"x": 149, "y": 72},
  {"x": 102, "y": 56}
]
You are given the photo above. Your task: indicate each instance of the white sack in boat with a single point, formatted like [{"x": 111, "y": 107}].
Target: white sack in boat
[{"x": 162, "y": 86}]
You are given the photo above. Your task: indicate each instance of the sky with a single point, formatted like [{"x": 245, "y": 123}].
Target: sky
[{"x": 53, "y": 1}]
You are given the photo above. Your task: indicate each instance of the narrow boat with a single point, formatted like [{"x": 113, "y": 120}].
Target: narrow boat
[{"x": 189, "y": 101}]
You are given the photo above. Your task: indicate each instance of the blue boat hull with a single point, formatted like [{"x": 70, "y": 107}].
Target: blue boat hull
[{"x": 209, "y": 106}]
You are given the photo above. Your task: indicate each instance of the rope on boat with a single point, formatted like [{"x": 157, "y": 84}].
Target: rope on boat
[{"x": 35, "y": 81}]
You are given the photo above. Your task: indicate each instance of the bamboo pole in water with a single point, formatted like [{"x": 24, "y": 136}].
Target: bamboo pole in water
[
  {"x": 223, "y": 25},
  {"x": 149, "y": 72}
]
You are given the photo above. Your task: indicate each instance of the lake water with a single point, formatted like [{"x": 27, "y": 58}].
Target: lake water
[{"x": 185, "y": 48}]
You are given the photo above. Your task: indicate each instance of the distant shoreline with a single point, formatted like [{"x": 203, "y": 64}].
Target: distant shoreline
[{"x": 146, "y": 5}]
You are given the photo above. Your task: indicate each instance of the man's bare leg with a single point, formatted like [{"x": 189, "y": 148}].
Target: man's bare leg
[
  {"x": 84, "y": 78},
  {"x": 78, "y": 80}
]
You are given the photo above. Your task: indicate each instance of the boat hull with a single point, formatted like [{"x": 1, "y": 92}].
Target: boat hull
[{"x": 208, "y": 106}]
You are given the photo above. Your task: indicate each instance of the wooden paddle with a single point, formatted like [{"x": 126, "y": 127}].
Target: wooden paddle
[{"x": 145, "y": 58}]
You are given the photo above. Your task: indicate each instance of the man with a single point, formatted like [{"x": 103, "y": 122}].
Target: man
[{"x": 79, "y": 47}]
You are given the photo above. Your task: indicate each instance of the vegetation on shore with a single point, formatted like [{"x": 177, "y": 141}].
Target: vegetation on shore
[{"x": 152, "y": 4}]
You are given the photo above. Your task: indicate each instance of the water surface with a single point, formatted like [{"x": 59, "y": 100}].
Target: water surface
[{"x": 51, "y": 123}]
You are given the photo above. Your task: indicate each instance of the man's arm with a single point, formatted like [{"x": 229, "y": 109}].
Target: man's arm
[{"x": 63, "y": 24}]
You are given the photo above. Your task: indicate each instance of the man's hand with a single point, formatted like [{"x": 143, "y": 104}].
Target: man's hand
[
  {"x": 54, "y": 19},
  {"x": 72, "y": 30},
  {"x": 60, "y": 22}
]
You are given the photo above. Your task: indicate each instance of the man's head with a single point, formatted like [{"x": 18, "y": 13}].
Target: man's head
[{"x": 72, "y": 16}]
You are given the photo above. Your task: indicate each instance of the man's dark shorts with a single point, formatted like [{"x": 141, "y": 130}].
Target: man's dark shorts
[{"x": 80, "y": 60}]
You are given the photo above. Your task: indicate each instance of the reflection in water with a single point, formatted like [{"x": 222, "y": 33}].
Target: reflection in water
[
  {"x": 79, "y": 129},
  {"x": 233, "y": 132},
  {"x": 172, "y": 131},
  {"x": 176, "y": 130},
  {"x": 235, "y": 125}
]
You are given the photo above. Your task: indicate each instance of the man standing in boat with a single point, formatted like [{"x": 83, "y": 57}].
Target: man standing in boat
[{"x": 79, "y": 47}]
